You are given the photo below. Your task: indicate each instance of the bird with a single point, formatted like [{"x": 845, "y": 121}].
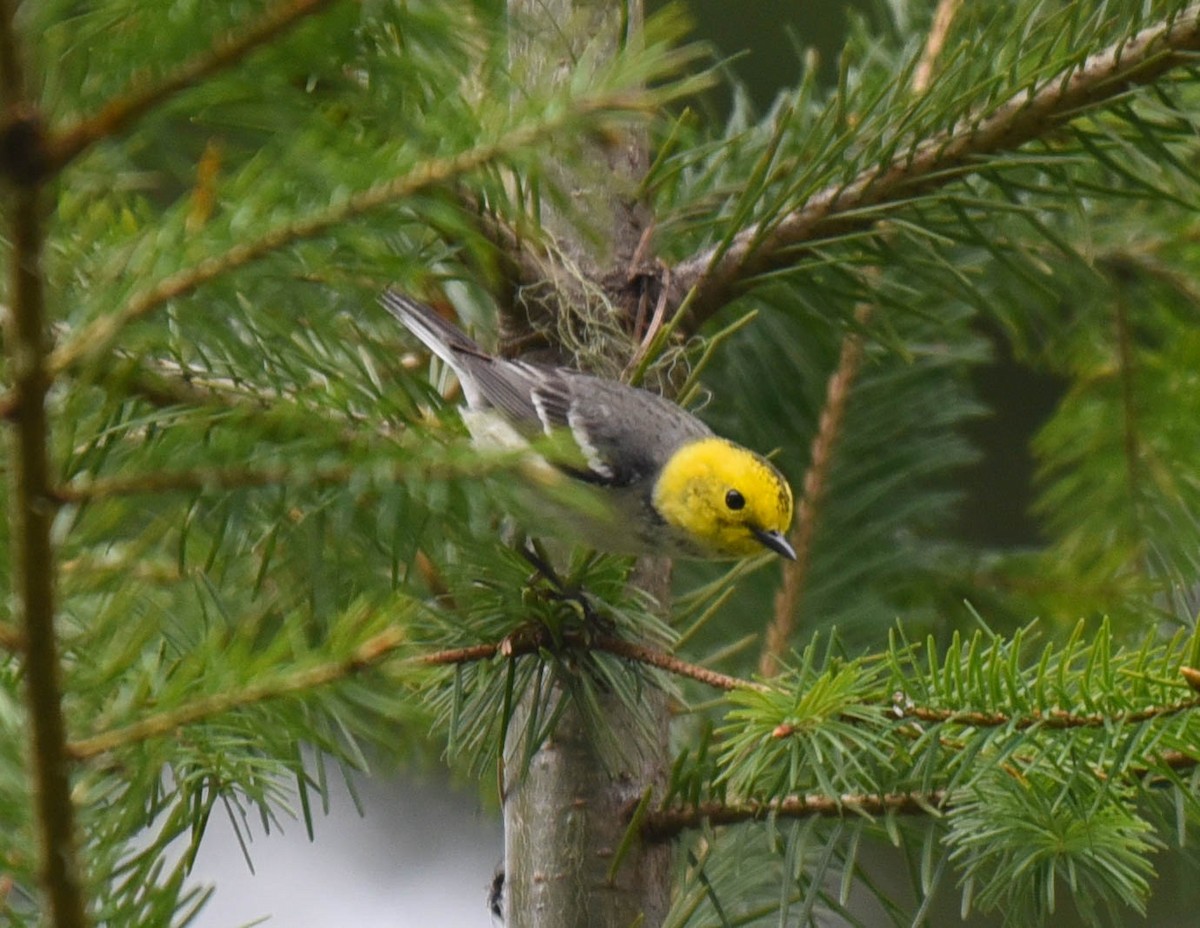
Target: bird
[{"x": 667, "y": 484}]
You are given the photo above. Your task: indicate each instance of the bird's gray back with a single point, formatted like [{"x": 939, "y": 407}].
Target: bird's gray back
[{"x": 632, "y": 440}]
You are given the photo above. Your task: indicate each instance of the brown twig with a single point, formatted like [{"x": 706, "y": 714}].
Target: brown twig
[
  {"x": 467, "y": 655},
  {"x": 943, "y": 18},
  {"x": 95, "y": 338},
  {"x": 673, "y": 665},
  {"x": 1175, "y": 760},
  {"x": 433, "y": 578},
  {"x": 816, "y": 481},
  {"x": 711, "y": 276},
  {"x": 371, "y": 653},
  {"x": 1055, "y": 719},
  {"x": 163, "y": 388},
  {"x": 133, "y": 566},
  {"x": 367, "y": 655},
  {"x": 664, "y": 824},
  {"x": 646, "y": 340},
  {"x": 228, "y": 50},
  {"x": 30, "y": 513},
  {"x": 532, "y": 639},
  {"x": 200, "y": 479},
  {"x": 829, "y": 429},
  {"x": 211, "y": 479}
]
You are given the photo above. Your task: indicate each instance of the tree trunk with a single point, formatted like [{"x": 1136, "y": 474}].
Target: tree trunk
[
  {"x": 565, "y": 817},
  {"x": 566, "y": 813}
]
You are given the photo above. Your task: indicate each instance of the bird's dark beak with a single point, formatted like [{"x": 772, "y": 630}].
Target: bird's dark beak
[{"x": 776, "y": 542}]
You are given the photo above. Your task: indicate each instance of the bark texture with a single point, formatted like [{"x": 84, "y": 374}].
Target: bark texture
[{"x": 566, "y": 811}]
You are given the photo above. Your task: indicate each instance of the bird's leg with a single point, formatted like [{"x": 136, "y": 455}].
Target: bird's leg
[{"x": 533, "y": 552}]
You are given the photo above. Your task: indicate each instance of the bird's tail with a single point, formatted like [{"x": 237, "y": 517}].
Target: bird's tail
[{"x": 438, "y": 335}]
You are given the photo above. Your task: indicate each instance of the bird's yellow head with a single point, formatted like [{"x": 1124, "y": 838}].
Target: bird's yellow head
[{"x": 725, "y": 501}]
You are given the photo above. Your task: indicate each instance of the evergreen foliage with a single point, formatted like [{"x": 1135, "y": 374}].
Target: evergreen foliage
[{"x": 271, "y": 534}]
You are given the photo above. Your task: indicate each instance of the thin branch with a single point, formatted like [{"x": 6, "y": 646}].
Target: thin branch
[
  {"x": 228, "y": 50},
  {"x": 367, "y": 655},
  {"x": 31, "y": 517},
  {"x": 164, "y": 387},
  {"x": 833, "y": 414},
  {"x": 212, "y": 479},
  {"x": 95, "y": 338},
  {"x": 712, "y": 276},
  {"x": 646, "y": 341},
  {"x": 816, "y": 481},
  {"x": 663, "y": 824},
  {"x": 1056, "y": 719},
  {"x": 371, "y": 653},
  {"x": 428, "y": 572},
  {"x": 128, "y": 567},
  {"x": 533, "y": 638},
  {"x": 208, "y": 479},
  {"x": 468, "y": 655},
  {"x": 943, "y": 18},
  {"x": 1175, "y": 760},
  {"x": 673, "y": 665},
  {"x": 165, "y": 384}
]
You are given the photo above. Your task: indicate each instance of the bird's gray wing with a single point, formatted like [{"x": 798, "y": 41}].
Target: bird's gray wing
[{"x": 625, "y": 434}]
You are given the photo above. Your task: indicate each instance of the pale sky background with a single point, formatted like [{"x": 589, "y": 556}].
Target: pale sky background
[{"x": 421, "y": 856}]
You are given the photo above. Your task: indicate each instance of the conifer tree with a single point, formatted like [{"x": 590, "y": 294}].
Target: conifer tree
[{"x": 247, "y": 540}]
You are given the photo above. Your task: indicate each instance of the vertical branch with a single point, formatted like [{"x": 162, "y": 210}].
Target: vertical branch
[
  {"x": 816, "y": 480},
  {"x": 565, "y": 811},
  {"x": 565, "y": 816},
  {"x": 829, "y": 428},
  {"x": 31, "y": 512},
  {"x": 943, "y": 16},
  {"x": 31, "y": 506}
]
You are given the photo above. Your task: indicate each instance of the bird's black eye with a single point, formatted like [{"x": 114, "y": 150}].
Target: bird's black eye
[{"x": 734, "y": 500}]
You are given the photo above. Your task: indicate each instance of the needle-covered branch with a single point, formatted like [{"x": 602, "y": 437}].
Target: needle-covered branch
[
  {"x": 214, "y": 479},
  {"x": 1054, "y": 719},
  {"x": 382, "y": 647},
  {"x": 667, "y": 823},
  {"x": 531, "y": 640},
  {"x": 830, "y": 424},
  {"x": 706, "y": 280},
  {"x": 30, "y": 517},
  {"x": 367, "y": 655},
  {"x": 98, "y": 336},
  {"x": 226, "y": 52}
]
